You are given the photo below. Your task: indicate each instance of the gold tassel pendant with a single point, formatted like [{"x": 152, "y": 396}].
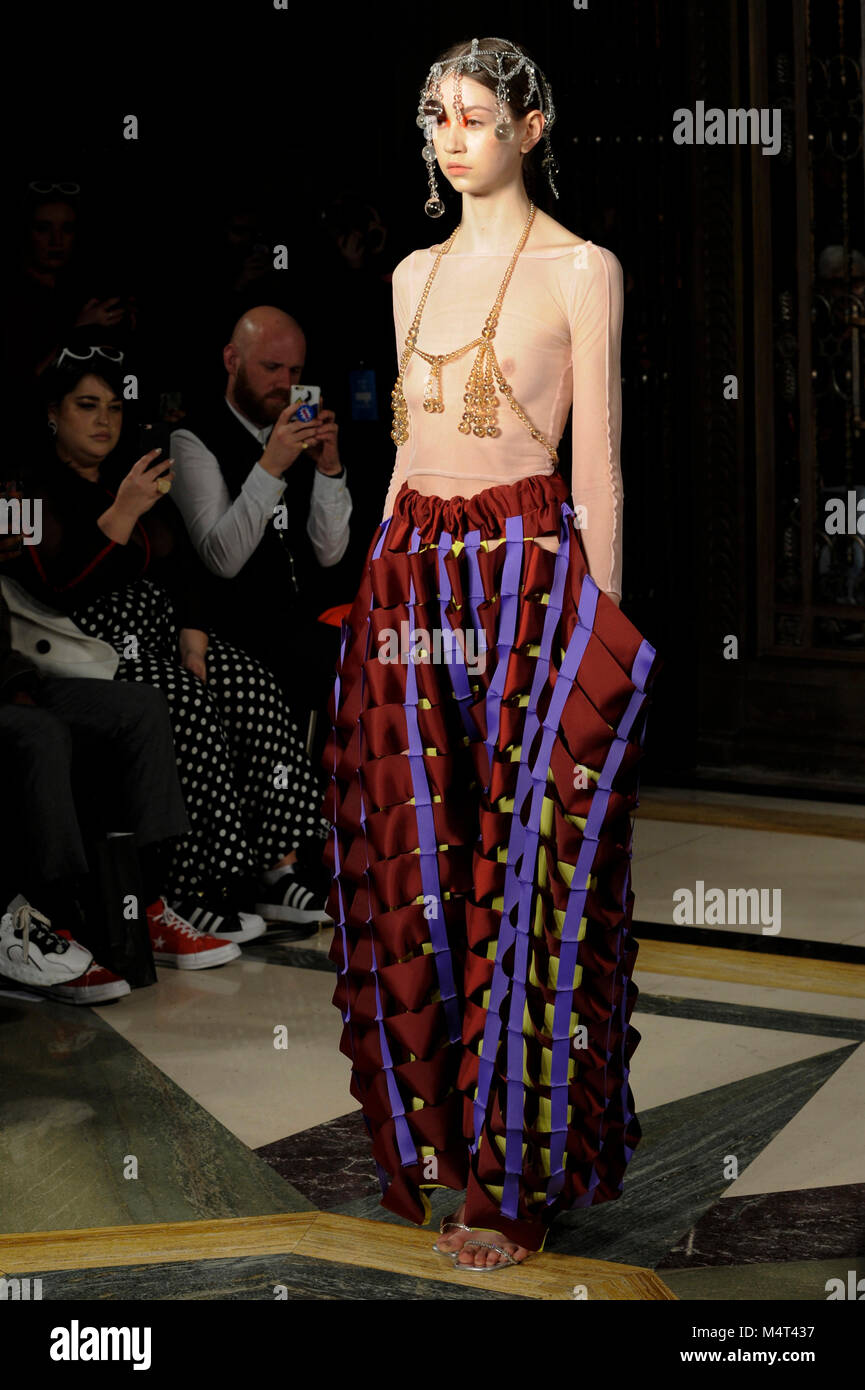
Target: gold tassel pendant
[
  {"x": 399, "y": 432},
  {"x": 432, "y": 391},
  {"x": 479, "y": 416}
]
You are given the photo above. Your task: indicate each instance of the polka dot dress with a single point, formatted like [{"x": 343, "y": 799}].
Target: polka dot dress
[{"x": 250, "y": 791}]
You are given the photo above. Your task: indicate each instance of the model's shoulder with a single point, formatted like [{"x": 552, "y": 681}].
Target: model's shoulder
[
  {"x": 602, "y": 260},
  {"x": 597, "y": 263},
  {"x": 409, "y": 263},
  {"x": 550, "y": 236}
]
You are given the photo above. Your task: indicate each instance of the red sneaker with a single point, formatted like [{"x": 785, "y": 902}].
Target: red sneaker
[
  {"x": 177, "y": 942},
  {"x": 97, "y": 985}
]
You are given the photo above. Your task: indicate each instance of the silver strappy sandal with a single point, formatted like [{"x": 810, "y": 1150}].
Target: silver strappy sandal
[
  {"x": 448, "y": 1225},
  {"x": 486, "y": 1269}
]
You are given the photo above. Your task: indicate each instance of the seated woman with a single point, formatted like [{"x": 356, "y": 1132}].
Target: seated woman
[
  {"x": 123, "y": 569},
  {"x": 80, "y": 756}
]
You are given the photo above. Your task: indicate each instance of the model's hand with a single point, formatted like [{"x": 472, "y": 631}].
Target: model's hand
[
  {"x": 324, "y": 451},
  {"x": 287, "y": 440}
]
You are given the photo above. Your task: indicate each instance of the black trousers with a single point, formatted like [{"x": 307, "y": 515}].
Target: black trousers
[
  {"x": 286, "y": 638},
  {"x": 92, "y": 756}
]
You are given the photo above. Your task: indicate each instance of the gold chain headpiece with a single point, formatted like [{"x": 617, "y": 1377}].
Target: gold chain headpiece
[{"x": 495, "y": 63}]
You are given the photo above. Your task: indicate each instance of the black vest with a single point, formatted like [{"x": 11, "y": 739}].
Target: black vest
[{"x": 280, "y": 581}]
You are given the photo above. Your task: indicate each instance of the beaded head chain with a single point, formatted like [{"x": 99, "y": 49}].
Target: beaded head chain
[{"x": 504, "y": 67}]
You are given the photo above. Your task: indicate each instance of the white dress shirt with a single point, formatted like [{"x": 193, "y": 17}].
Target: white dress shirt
[{"x": 224, "y": 532}]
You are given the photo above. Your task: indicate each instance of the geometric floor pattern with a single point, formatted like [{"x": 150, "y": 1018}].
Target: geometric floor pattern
[{"x": 162, "y": 1148}]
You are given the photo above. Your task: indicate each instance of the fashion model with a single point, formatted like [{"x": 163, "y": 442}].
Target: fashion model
[{"x": 489, "y": 709}]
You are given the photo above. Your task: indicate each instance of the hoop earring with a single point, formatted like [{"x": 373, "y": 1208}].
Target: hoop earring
[{"x": 52, "y": 426}]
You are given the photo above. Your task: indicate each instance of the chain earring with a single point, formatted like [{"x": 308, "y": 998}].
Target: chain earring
[
  {"x": 433, "y": 207},
  {"x": 549, "y": 163},
  {"x": 430, "y": 108}
]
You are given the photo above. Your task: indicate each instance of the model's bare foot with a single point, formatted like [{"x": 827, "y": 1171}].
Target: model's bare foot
[
  {"x": 469, "y": 1255},
  {"x": 453, "y": 1241},
  {"x": 473, "y": 1256}
]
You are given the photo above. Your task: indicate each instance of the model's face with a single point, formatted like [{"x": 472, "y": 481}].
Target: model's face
[
  {"x": 470, "y": 156},
  {"x": 88, "y": 423},
  {"x": 264, "y": 376},
  {"x": 52, "y": 233}
]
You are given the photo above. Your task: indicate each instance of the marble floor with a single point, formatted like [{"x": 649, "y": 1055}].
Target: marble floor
[{"x": 175, "y": 1106}]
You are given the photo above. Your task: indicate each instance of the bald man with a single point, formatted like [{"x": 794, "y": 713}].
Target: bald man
[{"x": 266, "y": 503}]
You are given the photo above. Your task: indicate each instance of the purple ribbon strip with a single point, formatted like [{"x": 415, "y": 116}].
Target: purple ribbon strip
[
  {"x": 459, "y": 676},
  {"x": 427, "y": 839},
  {"x": 519, "y": 881},
  {"x": 507, "y": 628},
  {"x": 405, "y": 1143},
  {"x": 472, "y": 543},
  {"x": 337, "y": 864},
  {"x": 532, "y": 782},
  {"x": 345, "y": 631},
  {"x": 569, "y": 950}
]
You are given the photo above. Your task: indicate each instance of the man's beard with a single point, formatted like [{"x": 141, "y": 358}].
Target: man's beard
[{"x": 261, "y": 410}]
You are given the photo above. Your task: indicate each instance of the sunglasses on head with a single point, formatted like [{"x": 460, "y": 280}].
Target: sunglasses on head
[
  {"x": 67, "y": 188},
  {"x": 111, "y": 354}
]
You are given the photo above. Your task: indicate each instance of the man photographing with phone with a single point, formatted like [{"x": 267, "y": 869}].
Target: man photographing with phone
[
  {"x": 303, "y": 425},
  {"x": 264, "y": 496}
]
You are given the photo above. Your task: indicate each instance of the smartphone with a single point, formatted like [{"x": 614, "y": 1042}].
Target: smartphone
[
  {"x": 311, "y": 397},
  {"x": 152, "y": 437}
]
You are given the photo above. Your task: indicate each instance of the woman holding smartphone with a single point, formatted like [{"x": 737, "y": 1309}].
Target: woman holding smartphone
[
  {"x": 115, "y": 557},
  {"x": 481, "y": 810}
]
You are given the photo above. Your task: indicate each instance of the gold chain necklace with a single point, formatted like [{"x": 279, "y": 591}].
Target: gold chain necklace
[{"x": 481, "y": 401}]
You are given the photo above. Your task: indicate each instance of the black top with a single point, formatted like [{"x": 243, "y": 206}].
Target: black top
[{"x": 76, "y": 563}]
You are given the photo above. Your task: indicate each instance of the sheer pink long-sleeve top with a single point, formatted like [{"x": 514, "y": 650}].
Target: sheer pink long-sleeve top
[{"x": 558, "y": 342}]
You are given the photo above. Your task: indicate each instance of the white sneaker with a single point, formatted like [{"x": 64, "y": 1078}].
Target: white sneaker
[
  {"x": 297, "y": 896},
  {"x": 215, "y": 914},
  {"x": 32, "y": 954}
]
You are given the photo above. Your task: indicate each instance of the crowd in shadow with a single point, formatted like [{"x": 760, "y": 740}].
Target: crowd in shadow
[{"x": 199, "y": 462}]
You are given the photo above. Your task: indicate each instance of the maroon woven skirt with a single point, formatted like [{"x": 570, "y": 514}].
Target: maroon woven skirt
[{"x": 487, "y": 725}]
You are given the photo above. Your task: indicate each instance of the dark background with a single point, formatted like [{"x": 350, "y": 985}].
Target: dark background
[{"x": 279, "y": 111}]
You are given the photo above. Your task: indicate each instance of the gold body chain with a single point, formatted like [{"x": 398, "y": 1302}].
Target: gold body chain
[{"x": 481, "y": 402}]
